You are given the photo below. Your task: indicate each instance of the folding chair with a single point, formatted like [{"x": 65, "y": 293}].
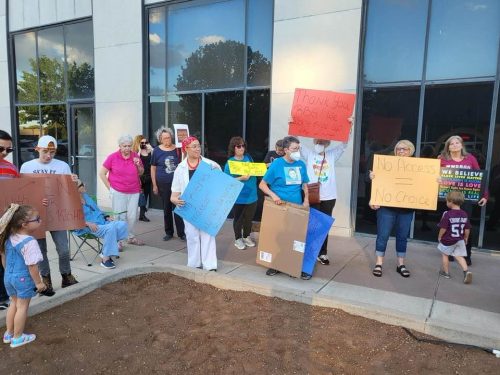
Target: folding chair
[{"x": 85, "y": 239}]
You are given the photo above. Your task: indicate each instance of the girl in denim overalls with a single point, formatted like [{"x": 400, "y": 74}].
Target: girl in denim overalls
[{"x": 20, "y": 254}]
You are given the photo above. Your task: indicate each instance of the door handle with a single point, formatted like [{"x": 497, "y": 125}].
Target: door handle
[{"x": 72, "y": 158}]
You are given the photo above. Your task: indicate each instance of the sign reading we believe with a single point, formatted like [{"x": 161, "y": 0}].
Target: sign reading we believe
[{"x": 405, "y": 182}]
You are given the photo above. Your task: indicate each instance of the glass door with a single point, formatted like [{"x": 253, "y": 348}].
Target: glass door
[{"x": 83, "y": 157}]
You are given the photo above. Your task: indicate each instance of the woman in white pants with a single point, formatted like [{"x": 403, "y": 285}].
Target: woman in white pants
[
  {"x": 120, "y": 173},
  {"x": 200, "y": 245}
]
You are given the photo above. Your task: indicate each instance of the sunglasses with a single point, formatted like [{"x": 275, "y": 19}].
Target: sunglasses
[
  {"x": 239, "y": 146},
  {"x": 36, "y": 219},
  {"x": 145, "y": 143},
  {"x": 8, "y": 150}
]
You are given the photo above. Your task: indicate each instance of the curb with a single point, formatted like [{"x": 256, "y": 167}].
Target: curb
[{"x": 458, "y": 333}]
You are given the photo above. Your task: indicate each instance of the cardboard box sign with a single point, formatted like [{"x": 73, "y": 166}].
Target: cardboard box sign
[{"x": 282, "y": 237}]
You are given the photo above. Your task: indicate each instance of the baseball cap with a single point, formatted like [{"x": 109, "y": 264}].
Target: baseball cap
[{"x": 45, "y": 140}]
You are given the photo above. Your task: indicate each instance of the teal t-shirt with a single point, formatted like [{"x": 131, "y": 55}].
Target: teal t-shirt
[
  {"x": 249, "y": 192},
  {"x": 286, "y": 179}
]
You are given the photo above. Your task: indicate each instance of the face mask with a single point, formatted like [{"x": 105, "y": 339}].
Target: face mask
[
  {"x": 319, "y": 148},
  {"x": 295, "y": 155}
]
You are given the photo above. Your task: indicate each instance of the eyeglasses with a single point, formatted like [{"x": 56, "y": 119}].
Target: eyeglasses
[
  {"x": 8, "y": 150},
  {"x": 239, "y": 146},
  {"x": 35, "y": 220},
  {"x": 399, "y": 149},
  {"x": 145, "y": 143}
]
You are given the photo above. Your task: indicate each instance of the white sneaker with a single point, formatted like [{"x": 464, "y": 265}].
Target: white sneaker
[
  {"x": 240, "y": 244},
  {"x": 248, "y": 242}
]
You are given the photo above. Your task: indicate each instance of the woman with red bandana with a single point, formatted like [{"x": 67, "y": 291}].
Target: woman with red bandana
[{"x": 200, "y": 245}]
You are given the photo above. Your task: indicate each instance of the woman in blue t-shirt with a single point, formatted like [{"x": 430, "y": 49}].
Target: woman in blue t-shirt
[
  {"x": 164, "y": 160},
  {"x": 246, "y": 203}
]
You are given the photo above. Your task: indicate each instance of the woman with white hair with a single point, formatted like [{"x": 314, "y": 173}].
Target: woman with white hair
[
  {"x": 120, "y": 174},
  {"x": 392, "y": 217},
  {"x": 164, "y": 160}
]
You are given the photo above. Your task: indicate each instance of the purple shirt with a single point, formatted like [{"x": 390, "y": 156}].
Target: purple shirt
[
  {"x": 123, "y": 175},
  {"x": 455, "y": 222}
]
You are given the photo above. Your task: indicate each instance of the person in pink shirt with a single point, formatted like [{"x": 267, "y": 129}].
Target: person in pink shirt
[
  {"x": 454, "y": 155},
  {"x": 120, "y": 174}
]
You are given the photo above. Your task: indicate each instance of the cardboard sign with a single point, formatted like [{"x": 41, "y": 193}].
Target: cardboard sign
[
  {"x": 209, "y": 196},
  {"x": 317, "y": 229},
  {"x": 64, "y": 211},
  {"x": 321, "y": 114},
  {"x": 469, "y": 182},
  {"x": 181, "y": 131},
  {"x": 282, "y": 237},
  {"x": 405, "y": 182},
  {"x": 247, "y": 169}
]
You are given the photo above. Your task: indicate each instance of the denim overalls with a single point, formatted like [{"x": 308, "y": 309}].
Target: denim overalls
[{"x": 17, "y": 278}]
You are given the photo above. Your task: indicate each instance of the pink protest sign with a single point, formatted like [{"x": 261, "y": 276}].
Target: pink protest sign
[{"x": 321, "y": 114}]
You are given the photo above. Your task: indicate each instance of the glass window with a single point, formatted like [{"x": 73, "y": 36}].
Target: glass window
[
  {"x": 157, "y": 52},
  {"x": 491, "y": 239},
  {"x": 186, "y": 109},
  {"x": 26, "y": 68},
  {"x": 156, "y": 115},
  {"x": 449, "y": 110},
  {"x": 388, "y": 115},
  {"x": 463, "y": 39},
  {"x": 206, "y": 44},
  {"x": 259, "y": 42},
  {"x": 54, "y": 124},
  {"x": 51, "y": 63},
  {"x": 80, "y": 60},
  {"x": 223, "y": 120},
  {"x": 395, "y": 40},
  {"x": 28, "y": 120},
  {"x": 257, "y": 125}
]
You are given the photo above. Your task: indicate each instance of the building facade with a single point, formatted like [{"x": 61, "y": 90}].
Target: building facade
[{"x": 89, "y": 71}]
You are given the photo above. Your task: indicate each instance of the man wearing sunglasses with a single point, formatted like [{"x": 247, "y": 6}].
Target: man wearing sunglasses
[{"x": 7, "y": 169}]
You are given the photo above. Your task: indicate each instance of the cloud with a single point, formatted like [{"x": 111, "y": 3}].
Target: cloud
[
  {"x": 476, "y": 7},
  {"x": 154, "y": 38},
  {"x": 156, "y": 16},
  {"x": 210, "y": 39}
]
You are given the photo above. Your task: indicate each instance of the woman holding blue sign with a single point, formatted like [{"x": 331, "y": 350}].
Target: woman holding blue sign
[
  {"x": 454, "y": 155},
  {"x": 321, "y": 169},
  {"x": 201, "y": 246},
  {"x": 246, "y": 203}
]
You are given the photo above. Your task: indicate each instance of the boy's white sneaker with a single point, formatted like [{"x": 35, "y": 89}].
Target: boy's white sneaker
[
  {"x": 240, "y": 244},
  {"x": 248, "y": 242}
]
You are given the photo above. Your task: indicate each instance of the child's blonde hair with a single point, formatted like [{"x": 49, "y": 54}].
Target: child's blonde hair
[
  {"x": 19, "y": 217},
  {"x": 455, "y": 197}
]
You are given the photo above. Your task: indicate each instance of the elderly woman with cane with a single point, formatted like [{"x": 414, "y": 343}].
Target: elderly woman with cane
[
  {"x": 201, "y": 246},
  {"x": 120, "y": 174}
]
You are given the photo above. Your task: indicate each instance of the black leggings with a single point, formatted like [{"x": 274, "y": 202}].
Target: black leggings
[
  {"x": 327, "y": 208},
  {"x": 168, "y": 207},
  {"x": 243, "y": 215}
]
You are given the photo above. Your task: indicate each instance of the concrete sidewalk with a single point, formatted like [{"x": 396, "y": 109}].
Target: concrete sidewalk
[{"x": 447, "y": 309}]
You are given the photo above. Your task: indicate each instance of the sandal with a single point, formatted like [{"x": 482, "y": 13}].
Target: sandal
[
  {"x": 403, "y": 271},
  {"x": 135, "y": 241},
  {"x": 377, "y": 270}
]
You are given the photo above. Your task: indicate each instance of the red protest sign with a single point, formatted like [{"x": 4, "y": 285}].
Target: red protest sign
[{"x": 321, "y": 114}]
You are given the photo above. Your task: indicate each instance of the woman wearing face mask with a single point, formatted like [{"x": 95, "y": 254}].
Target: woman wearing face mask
[
  {"x": 321, "y": 168},
  {"x": 143, "y": 148}
]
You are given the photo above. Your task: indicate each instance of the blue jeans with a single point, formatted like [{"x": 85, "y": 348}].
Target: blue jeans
[{"x": 387, "y": 219}]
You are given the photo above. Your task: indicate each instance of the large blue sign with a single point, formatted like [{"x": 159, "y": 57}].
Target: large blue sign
[
  {"x": 317, "y": 229},
  {"x": 209, "y": 196}
]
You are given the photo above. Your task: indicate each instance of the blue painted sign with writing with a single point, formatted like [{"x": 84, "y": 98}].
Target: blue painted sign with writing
[
  {"x": 209, "y": 196},
  {"x": 317, "y": 229}
]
